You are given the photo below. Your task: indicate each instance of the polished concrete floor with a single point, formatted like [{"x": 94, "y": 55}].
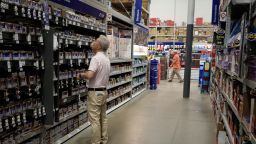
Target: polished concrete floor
[{"x": 160, "y": 117}]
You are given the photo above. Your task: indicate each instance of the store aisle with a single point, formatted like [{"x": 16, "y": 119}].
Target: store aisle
[{"x": 160, "y": 117}]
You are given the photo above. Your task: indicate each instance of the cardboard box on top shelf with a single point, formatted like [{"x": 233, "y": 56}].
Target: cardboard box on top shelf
[
  {"x": 125, "y": 42},
  {"x": 113, "y": 37}
]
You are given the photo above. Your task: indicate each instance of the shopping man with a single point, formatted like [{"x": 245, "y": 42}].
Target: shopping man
[
  {"x": 176, "y": 66},
  {"x": 98, "y": 76}
]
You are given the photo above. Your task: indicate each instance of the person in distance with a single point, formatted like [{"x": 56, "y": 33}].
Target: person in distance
[{"x": 175, "y": 66}]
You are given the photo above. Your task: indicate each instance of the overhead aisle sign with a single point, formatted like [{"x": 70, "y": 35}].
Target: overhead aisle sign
[
  {"x": 215, "y": 11},
  {"x": 138, "y": 11}
]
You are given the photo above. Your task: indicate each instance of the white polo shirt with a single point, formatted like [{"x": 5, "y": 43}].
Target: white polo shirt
[{"x": 100, "y": 64}]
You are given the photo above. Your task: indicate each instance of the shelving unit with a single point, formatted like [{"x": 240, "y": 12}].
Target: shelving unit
[
  {"x": 73, "y": 133},
  {"x": 118, "y": 105},
  {"x": 232, "y": 85},
  {"x": 119, "y": 89},
  {"x": 139, "y": 82},
  {"x": 44, "y": 47},
  {"x": 22, "y": 109}
]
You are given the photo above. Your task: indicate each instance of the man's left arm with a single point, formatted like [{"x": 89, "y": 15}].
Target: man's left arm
[
  {"x": 92, "y": 69},
  {"x": 87, "y": 75}
]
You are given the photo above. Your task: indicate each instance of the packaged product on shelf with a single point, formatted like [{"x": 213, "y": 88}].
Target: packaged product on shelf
[
  {"x": 125, "y": 42},
  {"x": 113, "y": 38}
]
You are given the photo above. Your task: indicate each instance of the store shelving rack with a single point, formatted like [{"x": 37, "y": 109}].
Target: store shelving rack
[
  {"x": 22, "y": 72},
  {"x": 51, "y": 67},
  {"x": 141, "y": 86},
  {"x": 115, "y": 100},
  {"x": 245, "y": 131}
]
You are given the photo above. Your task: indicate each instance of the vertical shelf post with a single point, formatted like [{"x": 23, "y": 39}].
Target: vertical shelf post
[{"x": 47, "y": 88}]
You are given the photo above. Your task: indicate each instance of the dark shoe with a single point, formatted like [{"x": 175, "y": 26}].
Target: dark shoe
[
  {"x": 181, "y": 81},
  {"x": 169, "y": 80}
]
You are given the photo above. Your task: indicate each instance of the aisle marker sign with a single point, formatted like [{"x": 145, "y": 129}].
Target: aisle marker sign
[
  {"x": 215, "y": 12},
  {"x": 138, "y": 11}
]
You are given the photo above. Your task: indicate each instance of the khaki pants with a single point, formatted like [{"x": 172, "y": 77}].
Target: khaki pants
[
  {"x": 177, "y": 72},
  {"x": 97, "y": 108}
]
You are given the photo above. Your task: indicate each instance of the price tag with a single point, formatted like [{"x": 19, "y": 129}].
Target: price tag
[
  {"x": 18, "y": 120},
  {"x": 16, "y": 10},
  {"x": 66, "y": 41},
  {"x": 23, "y": 11},
  {"x": 39, "y": 112},
  {"x": 60, "y": 40},
  {"x": 40, "y": 39},
  {"x": 69, "y": 22},
  {"x": 78, "y": 24},
  {"x": 13, "y": 122},
  {"x": 42, "y": 63},
  {"x": 16, "y": 37},
  {"x": 6, "y": 124},
  {"x": 34, "y": 14},
  {"x": 79, "y": 62},
  {"x": 71, "y": 42},
  {"x": 57, "y": 20},
  {"x": 50, "y": 16},
  {"x": 24, "y": 118},
  {"x": 39, "y": 15},
  {"x": 21, "y": 64},
  {"x": 98, "y": 29},
  {"x": 9, "y": 66},
  {"x": 91, "y": 27},
  {"x": 36, "y": 64},
  {"x": 29, "y": 13},
  {"x": 79, "y": 43},
  {"x": 74, "y": 23},
  {"x": 43, "y": 111},
  {"x": 28, "y": 38},
  {"x": 35, "y": 113}
]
